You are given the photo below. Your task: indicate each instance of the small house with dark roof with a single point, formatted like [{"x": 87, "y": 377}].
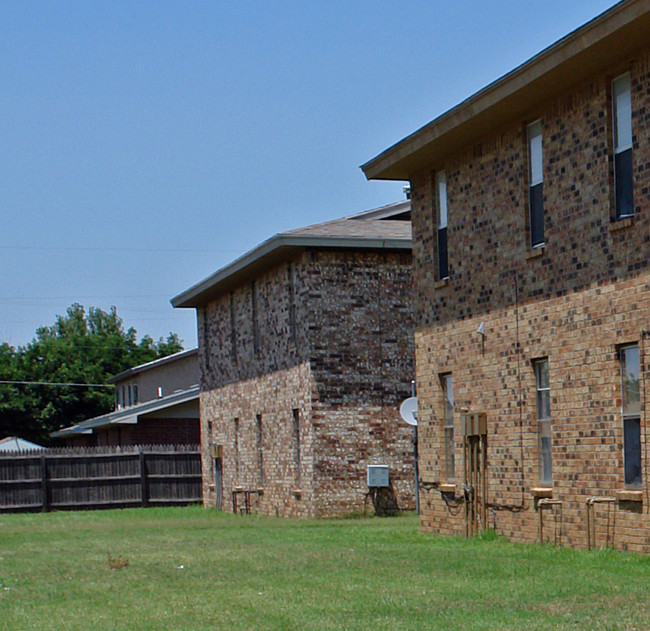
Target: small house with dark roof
[
  {"x": 306, "y": 351},
  {"x": 155, "y": 403}
]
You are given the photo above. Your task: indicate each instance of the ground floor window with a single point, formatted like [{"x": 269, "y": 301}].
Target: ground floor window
[
  {"x": 448, "y": 423},
  {"x": 631, "y": 409},
  {"x": 543, "y": 420}
]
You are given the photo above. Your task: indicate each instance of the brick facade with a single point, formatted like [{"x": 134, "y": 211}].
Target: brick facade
[
  {"x": 322, "y": 341},
  {"x": 574, "y": 302}
]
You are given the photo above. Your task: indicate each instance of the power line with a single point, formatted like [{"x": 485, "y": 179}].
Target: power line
[
  {"x": 52, "y": 383},
  {"x": 92, "y": 249}
]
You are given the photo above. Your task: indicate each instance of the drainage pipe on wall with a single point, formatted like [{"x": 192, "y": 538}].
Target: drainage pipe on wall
[
  {"x": 541, "y": 505},
  {"x": 591, "y": 525}
]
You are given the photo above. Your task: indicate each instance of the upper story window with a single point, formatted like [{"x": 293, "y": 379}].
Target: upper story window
[
  {"x": 441, "y": 207},
  {"x": 622, "y": 122},
  {"x": 535, "y": 183},
  {"x": 254, "y": 319},
  {"x": 631, "y": 409},
  {"x": 233, "y": 329},
  {"x": 543, "y": 420}
]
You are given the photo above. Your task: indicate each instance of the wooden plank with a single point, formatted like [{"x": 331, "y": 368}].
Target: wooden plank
[
  {"x": 175, "y": 476},
  {"x": 94, "y": 503},
  {"x": 144, "y": 485},
  {"x": 176, "y": 500},
  {"x": 44, "y": 488},
  {"x": 108, "y": 478}
]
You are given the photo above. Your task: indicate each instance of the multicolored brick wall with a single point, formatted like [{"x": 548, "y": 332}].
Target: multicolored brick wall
[
  {"x": 575, "y": 301},
  {"x": 328, "y": 341}
]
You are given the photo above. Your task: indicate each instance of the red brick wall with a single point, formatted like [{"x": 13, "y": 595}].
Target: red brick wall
[
  {"x": 346, "y": 369},
  {"x": 587, "y": 292}
]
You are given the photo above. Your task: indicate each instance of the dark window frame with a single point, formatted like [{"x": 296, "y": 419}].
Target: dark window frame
[
  {"x": 622, "y": 143},
  {"x": 442, "y": 211},
  {"x": 631, "y": 414},
  {"x": 535, "y": 183},
  {"x": 544, "y": 423},
  {"x": 447, "y": 388}
]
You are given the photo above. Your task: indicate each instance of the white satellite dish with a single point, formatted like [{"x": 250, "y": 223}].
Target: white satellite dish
[{"x": 409, "y": 410}]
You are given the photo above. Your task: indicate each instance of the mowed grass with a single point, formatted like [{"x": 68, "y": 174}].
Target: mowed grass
[{"x": 189, "y": 568}]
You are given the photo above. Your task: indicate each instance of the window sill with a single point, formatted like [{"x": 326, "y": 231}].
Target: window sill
[
  {"x": 628, "y": 495},
  {"x": 542, "y": 492},
  {"x": 621, "y": 224},
  {"x": 443, "y": 282},
  {"x": 535, "y": 253},
  {"x": 447, "y": 488}
]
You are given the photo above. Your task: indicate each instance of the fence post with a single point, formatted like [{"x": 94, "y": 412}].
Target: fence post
[
  {"x": 44, "y": 484},
  {"x": 144, "y": 487}
]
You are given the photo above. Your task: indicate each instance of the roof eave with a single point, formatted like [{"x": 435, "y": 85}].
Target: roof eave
[
  {"x": 277, "y": 248},
  {"x": 130, "y": 414},
  {"x": 602, "y": 42}
]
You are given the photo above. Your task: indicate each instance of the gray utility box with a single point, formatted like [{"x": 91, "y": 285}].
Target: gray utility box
[{"x": 378, "y": 475}]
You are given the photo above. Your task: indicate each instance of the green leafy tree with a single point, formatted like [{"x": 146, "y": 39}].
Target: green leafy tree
[{"x": 79, "y": 348}]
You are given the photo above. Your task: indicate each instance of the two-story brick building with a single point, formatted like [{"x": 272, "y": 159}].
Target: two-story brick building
[
  {"x": 306, "y": 351},
  {"x": 531, "y": 243}
]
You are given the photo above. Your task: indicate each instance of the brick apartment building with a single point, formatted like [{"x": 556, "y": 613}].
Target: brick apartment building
[
  {"x": 531, "y": 244},
  {"x": 156, "y": 403},
  {"x": 306, "y": 351}
]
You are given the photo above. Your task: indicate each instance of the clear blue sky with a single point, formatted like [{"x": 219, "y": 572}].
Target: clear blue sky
[{"x": 145, "y": 144}]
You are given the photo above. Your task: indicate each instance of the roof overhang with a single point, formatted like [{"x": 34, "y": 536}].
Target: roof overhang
[
  {"x": 279, "y": 248},
  {"x": 130, "y": 415},
  {"x": 602, "y": 43}
]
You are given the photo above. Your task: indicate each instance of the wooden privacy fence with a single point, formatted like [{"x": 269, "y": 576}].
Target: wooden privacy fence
[{"x": 88, "y": 478}]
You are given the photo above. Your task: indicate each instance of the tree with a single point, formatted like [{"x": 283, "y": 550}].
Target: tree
[{"x": 80, "y": 348}]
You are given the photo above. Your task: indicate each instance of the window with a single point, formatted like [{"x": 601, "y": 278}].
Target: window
[
  {"x": 543, "y": 420},
  {"x": 622, "y": 120},
  {"x": 448, "y": 424},
  {"x": 233, "y": 329},
  {"x": 260, "y": 451},
  {"x": 135, "y": 395},
  {"x": 535, "y": 184},
  {"x": 118, "y": 401},
  {"x": 441, "y": 199},
  {"x": 296, "y": 444},
  {"x": 237, "y": 451},
  {"x": 256, "y": 330},
  {"x": 129, "y": 392},
  {"x": 292, "y": 302},
  {"x": 631, "y": 408}
]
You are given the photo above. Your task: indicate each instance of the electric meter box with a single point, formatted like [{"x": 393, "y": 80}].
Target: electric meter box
[
  {"x": 378, "y": 475},
  {"x": 474, "y": 423}
]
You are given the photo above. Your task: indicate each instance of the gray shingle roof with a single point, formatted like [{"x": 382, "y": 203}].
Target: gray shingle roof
[{"x": 388, "y": 227}]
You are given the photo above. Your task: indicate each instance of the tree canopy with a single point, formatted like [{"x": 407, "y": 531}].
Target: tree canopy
[{"x": 79, "y": 348}]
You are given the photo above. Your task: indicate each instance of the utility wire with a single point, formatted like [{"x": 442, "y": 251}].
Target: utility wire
[{"x": 52, "y": 383}]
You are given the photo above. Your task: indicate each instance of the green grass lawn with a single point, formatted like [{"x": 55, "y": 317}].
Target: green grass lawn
[{"x": 189, "y": 568}]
